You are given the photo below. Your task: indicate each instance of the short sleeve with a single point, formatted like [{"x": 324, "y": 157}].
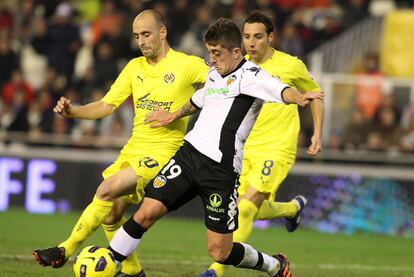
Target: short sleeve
[
  {"x": 305, "y": 82},
  {"x": 198, "y": 98},
  {"x": 258, "y": 83},
  {"x": 197, "y": 70},
  {"x": 121, "y": 88}
]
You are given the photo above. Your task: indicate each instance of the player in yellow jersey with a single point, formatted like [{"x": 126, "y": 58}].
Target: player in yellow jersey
[
  {"x": 270, "y": 149},
  {"x": 161, "y": 78}
]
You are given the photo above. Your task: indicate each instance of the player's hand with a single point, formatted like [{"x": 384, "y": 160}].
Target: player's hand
[
  {"x": 63, "y": 107},
  {"x": 314, "y": 95},
  {"x": 307, "y": 97},
  {"x": 315, "y": 147},
  {"x": 159, "y": 118}
]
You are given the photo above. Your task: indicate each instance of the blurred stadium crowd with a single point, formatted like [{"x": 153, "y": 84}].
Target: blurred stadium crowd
[{"x": 77, "y": 48}]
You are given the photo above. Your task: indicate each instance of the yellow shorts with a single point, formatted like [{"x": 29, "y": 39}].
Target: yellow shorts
[
  {"x": 264, "y": 174},
  {"x": 145, "y": 165}
]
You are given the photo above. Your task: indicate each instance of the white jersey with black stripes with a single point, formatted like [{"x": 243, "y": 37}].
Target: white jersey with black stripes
[{"x": 229, "y": 107}]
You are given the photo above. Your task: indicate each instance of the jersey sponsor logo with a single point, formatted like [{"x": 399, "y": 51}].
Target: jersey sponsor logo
[
  {"x": 151, "y": 105},
  {"x": 215, "y": 203},
  {"x": 211, "y": 91},
  {"x": 211, "y": 79},
  {"x": 215, "y": 200},
  {"x": 159, "y": 181},
  {"x": 255, "y": 70},
  {"x": 169, "y": 78},
  {"x": 231, "y": 79}
]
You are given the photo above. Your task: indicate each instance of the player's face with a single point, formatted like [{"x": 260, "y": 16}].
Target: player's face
[
  {"x": 148, "y": 36},
  {"x": 255, "y": 40},
  {"x": 222, "y": 59}
]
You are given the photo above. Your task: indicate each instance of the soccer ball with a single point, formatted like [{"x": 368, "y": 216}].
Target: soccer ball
[{"x": 94, "y": 261}]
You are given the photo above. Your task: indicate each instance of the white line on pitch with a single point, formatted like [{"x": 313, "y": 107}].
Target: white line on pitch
[{"x": 203, "y": 261}]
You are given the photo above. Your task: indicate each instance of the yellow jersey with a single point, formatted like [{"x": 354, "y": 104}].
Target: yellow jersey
[
  {"x": 169, "y": 84},
  {"x": 277, "y": 127}
]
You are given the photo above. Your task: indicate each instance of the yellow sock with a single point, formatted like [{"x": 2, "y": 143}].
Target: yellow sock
[
  {"x": 218, "y": 268},
  {"x": 247, "y": 212},
  {"x": 130, "y": 265},
  {"x": 93, "y": 216},
  {"x": 272, "y": 209}
]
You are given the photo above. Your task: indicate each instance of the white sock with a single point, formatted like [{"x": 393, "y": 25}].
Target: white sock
[
  {"x": 251, "y": 259},
  {"x": 123, "y": 243}
]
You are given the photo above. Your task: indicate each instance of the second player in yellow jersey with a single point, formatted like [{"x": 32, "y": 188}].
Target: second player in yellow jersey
[
  {"x": 270, "y": 149},
  {"x": 162, "y": 78}
]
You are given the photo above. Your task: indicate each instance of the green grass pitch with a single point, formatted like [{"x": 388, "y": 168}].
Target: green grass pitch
[{"x": 177, "y": 247}]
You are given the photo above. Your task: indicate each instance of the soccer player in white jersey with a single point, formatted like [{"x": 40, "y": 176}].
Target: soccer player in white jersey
[
  {"x": 209, "y": 162},
  {"x": 162, "y": 77},
  {"x": 270, "y": 150}
]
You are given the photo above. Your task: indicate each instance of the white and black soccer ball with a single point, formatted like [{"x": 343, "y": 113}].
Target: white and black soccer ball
[{"x": 94, "y": 261}]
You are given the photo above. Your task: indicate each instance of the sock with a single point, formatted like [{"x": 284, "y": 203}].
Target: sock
[
  {"x": 126, "y": 239},
  {"x": 93, "y": 216},
  {"x": 247, "y": 212},
  {"x": 245, "y": 256},
  {"x": 130, "y": 265},
  {"x": 272, "y": 209}
]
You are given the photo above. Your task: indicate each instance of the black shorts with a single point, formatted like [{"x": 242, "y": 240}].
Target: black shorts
[{"x": 190, "y": 173}]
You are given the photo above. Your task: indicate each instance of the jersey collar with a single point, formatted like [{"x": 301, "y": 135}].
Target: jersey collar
[{"x": 234, "y": 70}]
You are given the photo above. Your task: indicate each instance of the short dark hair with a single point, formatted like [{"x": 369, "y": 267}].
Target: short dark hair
[
  {"x": 225, "y": 33},
  {"x": 259, "y": 17}
]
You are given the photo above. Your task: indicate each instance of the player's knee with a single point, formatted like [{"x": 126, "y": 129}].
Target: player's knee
[
  {"x": 218, "y": 253},
  {"x": 105, "y": 191}
]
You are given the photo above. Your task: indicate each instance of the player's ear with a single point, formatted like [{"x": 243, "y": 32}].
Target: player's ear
[
  {"x": 163, "y": 32},
  {"x": 271, "y": 38},
  {"x": 237, "y": 52}
]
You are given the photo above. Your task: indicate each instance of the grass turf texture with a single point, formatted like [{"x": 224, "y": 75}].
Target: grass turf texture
[{"x": 177, "y": 247}]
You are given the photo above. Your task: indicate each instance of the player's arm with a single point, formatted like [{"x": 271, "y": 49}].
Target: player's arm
[
  {"x": 260, "y": 84},
  {"x": 305, "y": 82},
  {"x": 292, "y": 96},
  {"x": 317, "y": 109},
  {"x": 162, "y": 117},
  {"x": 94, "y": 110}
]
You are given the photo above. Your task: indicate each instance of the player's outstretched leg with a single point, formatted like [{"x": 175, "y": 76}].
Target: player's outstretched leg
[
  {"x": 292, "y": 223},
  {"x": 93, "y": 216},
  {"x": 247, "y": 213}
]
